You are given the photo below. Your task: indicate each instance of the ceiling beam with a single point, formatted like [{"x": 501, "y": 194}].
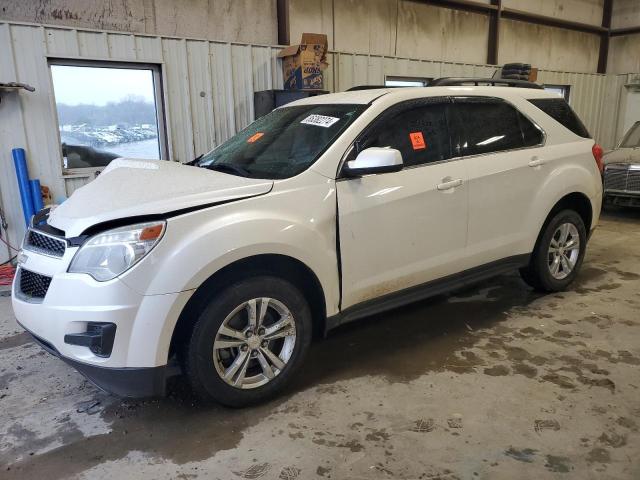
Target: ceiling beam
[
  {"x": 463, "y": 5},
  {"x": 282, "y": 13},
  {"x": 493, "y": 41},
  {"x": 603, "y": 54},
  {"x": 616, "y": 32},
  {"x": 514, "y": 14}
]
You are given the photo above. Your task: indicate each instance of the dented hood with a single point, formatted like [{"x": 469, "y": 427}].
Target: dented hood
[{"x": 131, "y": 188}]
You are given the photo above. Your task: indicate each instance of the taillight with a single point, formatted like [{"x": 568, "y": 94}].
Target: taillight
[{"x": 597, "y": 155}]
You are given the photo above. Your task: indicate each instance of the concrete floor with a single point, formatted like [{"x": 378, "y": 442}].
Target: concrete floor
[{"x": 496, "y": 382}]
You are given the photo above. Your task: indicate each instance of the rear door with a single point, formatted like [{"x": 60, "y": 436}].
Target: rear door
[
  {"x": 401, "y": 229},
  {"x": 505, "y": 162}
]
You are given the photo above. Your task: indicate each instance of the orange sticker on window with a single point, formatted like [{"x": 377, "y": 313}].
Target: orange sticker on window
[
  {"x": 417, "y": 141},
  {"x": 255, "y": 137}
]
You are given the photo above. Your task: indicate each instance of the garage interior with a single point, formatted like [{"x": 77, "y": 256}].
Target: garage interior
[{"x": 495, "y": 381}]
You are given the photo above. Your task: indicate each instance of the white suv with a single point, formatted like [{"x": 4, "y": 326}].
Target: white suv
[{"x": 324, "y": 211}]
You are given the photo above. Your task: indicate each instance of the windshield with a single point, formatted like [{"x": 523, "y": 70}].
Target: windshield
[
  {"x": 283, "y": 143},
  {"x": 632, "y": 138}
]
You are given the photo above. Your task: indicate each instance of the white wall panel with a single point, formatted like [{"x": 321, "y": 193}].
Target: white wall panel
[
  {"x": 176, "y": 91},
  {"x": 201, "y": 96},
  {"x": 225, "y": 123},
  {"x": 93, "y": 44},
  {"x": 12, "y": 134}
]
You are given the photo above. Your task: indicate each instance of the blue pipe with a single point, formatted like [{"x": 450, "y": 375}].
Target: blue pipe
[
  {"x": 36, "y": 195},
  {"x": 20, "y": 162}
]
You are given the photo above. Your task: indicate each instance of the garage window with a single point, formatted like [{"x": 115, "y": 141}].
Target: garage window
[
  {"x": 562, "y": 91},
  {"x": 107, "y": 110},
  {"x": 393, "y": 81}
]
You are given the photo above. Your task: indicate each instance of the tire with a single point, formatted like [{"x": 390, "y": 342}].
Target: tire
[
  {"x": 210, "y": 353},
  {"x": 512, "y": 72},
  {"x": 540, "y": 272},
  {"x": 516, "y": 66}
]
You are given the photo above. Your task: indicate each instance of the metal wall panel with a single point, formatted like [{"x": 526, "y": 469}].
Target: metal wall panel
[{"x": 208, "y": 92}]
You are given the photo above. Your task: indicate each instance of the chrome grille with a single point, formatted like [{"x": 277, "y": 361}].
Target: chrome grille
[
  {"x": 615, "y": 179},
  {"x": 45, "y": 244},
  {"x": 33, "y": 285},
  {"x": 622, "y": 178},
  {"x": 633, "y": 181}
]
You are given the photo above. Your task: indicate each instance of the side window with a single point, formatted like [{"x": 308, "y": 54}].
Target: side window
[
  {"x": 489, "y": 125},
  {"x": 417, "y": 128},
  {"x": 531, "y": 134},
  {"x": 561, "y": 112}
]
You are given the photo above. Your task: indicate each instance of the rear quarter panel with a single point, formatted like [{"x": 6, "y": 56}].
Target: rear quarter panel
[{"x": 572, "y": 169}]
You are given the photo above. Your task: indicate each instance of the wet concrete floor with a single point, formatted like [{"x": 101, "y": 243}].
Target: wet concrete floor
[{"x": 494, "y": 382}]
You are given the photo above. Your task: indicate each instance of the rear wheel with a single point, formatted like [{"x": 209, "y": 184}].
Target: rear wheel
[
  {"x": 558, "y": 254},
  {"x": 248, "y": 341}
]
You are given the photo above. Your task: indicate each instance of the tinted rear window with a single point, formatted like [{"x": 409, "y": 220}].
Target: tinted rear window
[{"x": 559, "y": 110}]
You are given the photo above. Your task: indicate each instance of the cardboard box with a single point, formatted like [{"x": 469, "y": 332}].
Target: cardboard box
[{"x": 302, "y": 64}]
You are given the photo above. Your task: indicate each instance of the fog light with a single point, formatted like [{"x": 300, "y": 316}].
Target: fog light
[{"x": 98, "y": 338}]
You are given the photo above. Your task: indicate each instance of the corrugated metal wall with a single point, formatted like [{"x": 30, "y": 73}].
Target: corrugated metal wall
[{"x": 208, "y": 92}]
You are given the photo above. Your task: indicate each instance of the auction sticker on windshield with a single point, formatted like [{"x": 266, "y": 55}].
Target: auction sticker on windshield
[
  {"x": 320, "y": 120},
  {"x": 255, "y": 137}
]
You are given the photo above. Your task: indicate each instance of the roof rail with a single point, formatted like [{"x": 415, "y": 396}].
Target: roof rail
[
  {"x": 460, "y": 81},
  {"x": 367, "y": 87}
]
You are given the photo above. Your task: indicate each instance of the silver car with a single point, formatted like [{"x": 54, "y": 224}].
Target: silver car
[{"x": 622, "y": 171}]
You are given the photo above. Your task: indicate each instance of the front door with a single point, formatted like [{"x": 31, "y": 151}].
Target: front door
[{"x": 402, "y": 229}]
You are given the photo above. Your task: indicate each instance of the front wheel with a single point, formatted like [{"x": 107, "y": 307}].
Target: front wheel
[
  {"x": 559, "y": 252},
  {"x": 248, "y": 341}
]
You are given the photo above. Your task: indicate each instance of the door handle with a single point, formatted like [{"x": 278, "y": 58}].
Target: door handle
[
  {"x": 536, "y": 162},
  {"x": 448, "y": 183}
]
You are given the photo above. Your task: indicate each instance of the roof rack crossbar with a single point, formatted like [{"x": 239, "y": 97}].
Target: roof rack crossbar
[{"x": 461, "y": 81}]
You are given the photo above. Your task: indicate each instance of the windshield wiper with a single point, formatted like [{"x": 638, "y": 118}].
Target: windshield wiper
[
  {"x": 194, "y": 162},
  {"x": 228, "y": 168}
]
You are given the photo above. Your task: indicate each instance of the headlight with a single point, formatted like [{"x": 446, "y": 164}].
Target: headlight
[{"x": 111, "y": 253}]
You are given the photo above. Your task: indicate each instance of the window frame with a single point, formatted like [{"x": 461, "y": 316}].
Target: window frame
[
  {"x": 158, "y": 74},
  {"x": 403, "y": 78}
]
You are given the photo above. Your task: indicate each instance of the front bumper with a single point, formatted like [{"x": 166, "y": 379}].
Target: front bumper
[
  {"x": 124, "y": 382},
  {"x": 622, "y": 184},
  {"x": 135, "y": 363},
  {"x": 622, "y": 199}
]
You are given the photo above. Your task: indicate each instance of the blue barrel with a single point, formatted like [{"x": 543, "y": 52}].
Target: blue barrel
[
  {"x": 36, "y": 195},
  {"x": 20, "y": 162}
]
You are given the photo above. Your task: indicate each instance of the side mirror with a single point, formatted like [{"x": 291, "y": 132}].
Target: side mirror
[{"x": 374, "y": 160}]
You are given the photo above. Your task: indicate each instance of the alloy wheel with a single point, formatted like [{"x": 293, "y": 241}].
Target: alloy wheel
[
  {"x": 564, "y": 250},
  {"x": 254, "y": 343}
]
